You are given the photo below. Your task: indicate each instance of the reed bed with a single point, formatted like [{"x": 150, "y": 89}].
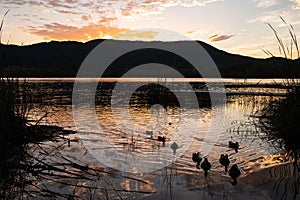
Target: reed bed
[
  {"x": 18, "y": 168},
  {"x": 279, "y": 117}
]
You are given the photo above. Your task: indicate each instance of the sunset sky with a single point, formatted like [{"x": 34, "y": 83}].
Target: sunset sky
[{"x": 236, "y": 26}]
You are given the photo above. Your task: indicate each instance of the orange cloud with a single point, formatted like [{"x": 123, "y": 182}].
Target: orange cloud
[
  {"x": 56, "y": 31},
  {"x": 216, "y": 37},
  {"x": 190, "y": 32},
  {"x": 85, "y": 15}
]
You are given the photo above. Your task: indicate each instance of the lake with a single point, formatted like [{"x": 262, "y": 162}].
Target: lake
[{"x": 140, "y": 167}]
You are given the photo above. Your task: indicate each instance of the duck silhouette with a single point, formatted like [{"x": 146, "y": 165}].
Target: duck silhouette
[
  {"x": 162, "y": 139},
  {"x": 205, "y": 165},
  {"x": 174, "y": 146},
  {"x": 149, "y": 133},
  {"x": 225, "y": 161},
  {"x": 197, "y": 159},
  {"x": 234, "y": 146},
  {"x": 234, "y": 172}
]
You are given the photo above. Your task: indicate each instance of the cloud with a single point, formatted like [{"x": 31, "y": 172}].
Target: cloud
[
  {"x": 107, "y": 8},
  {"x": 150, "y": 35},
  {"x": 127, "y": 7},
  {"x": 265, "y": 3},
  {"x": 107, "y": 3},
  {"x": 147, "y": 7},
  {"x": 60, "y": 4},
  {"x": 216, "y": 37},
  {"x": 136, "y": 35},
  {"x": 271, "y": 17},
  {"x": 190, "y": 32},
  {"x": 49, "y": 3},
  {"x": 297, "y": 4},
  {"x": 86, "y": 17},
  {"x": 198, "y": 32},
  {"x": 57, "y": 31},
  {"x": 68, "y": 12},
  {"x": 89, "y": 18}
]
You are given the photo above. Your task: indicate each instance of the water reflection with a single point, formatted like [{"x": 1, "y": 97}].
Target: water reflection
[{"x": 262, "y": 165}]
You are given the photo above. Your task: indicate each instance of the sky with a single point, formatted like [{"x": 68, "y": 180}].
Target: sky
[{"x": 235, "y": 26}]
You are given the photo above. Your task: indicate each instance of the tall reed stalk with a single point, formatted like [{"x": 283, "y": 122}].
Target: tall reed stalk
[
  {"x": 279, "y": 117},
  {"x": 15, "y": 103},
  {"x": 287, "y": 51}
]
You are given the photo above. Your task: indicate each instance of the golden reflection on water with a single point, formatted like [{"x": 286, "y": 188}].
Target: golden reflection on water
[
  {"x": 251, "y": 159},
  {"x": 254, "y": 155}
]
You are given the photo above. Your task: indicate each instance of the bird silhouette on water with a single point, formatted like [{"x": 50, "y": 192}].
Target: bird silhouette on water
[
  {"x": 174, "y": 146},
  {"x": 162, "y": 139},
  {"x": 225, "y": 161},
  {"x": 205, "y": 165},
  {"x": 197, "y": 159},
  {"x": 234, "y": 172},
  {"x": 234, "y": 146}
]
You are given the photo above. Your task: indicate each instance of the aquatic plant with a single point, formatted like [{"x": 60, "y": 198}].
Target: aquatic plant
[
  {"x": 23, "y": 172},
  {"x": 279, "y": 117},
  {"x": 16, "y": 133},
  {"x": 287, "y": 51}
]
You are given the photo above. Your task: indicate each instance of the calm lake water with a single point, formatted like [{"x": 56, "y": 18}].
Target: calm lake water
[{"x": 180, "y": 178}]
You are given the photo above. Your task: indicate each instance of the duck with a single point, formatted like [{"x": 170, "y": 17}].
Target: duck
[
  {"x": 205, "y": 165},
  {"x": 234, "y": 173},
  {"x": 224, "y": 161},
  {"x": 197, "y": 159},
  {"x": 149, "y": 133},
  {"x": 234, "y": 146},
  {"x": 162, "y": 139},
  {"x": 174, "y": 146}
]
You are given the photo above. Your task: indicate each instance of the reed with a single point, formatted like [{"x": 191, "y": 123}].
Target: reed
[
  {"x": 15, "y": 104},
  {"x": 287, "y": 51},
  {"x": 21, "y": 171},
  {"x": 278, "y": 118},
  {"x": 15, "y": 132}
]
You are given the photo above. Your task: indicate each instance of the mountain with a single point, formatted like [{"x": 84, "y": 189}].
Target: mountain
[{"x": 63, "y": 59}]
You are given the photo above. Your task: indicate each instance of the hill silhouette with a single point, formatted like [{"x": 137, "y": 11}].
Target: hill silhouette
[{"x": 63, "y": 59}]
